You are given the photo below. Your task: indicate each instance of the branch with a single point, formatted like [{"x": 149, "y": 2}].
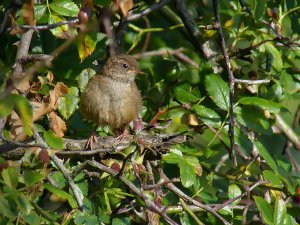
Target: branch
[
  {"x": 187, "y": 198},
  {"x": 191, "y": 27},
  {"x": 149, "y": 204},
  {"x": 231, "y": 82},
  {"x": 50, "y": 26},
  {"x": 251, "y": 82},
  {"x": 147, "y": 11},
  {"x": 288, "y": 131}
]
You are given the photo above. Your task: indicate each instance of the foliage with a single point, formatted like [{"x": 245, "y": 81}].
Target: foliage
[{"x": 182, "y": 92}]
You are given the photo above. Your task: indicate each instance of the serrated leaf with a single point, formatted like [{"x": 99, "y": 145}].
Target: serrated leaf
[
  {"x": 183, "y": 95},
  {"x": 69, "y": 103},
  {"x": 86, "y": 45},
  {"x": 279, "y": 212},
  {"x": 259, "y": 9},
  {"x": 10, "y": 177},
  {"x": 266, "y": 155},
  {"x": 264, "y": 104},
  {"x": 65, "y": 8},
  {"x": 218, "y": 90},
  {"x": 62, "y": 194},
  {"x": 276, "y": 56},
  {"x": 39, "y": 11},
  {"x": 173, "y": 157},
  {"x": 207, "y": 115},
  {"x": 234, "y": 191},
  {"x": 265, "y": 209},
  {"x": 58, "y": 31},
  {"x": 53, "y": 142},
  {"x": 23, "y": 204},
  {"x": 84, "y": 78}
]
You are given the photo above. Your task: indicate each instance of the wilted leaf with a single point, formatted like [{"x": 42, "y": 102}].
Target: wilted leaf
[
  {"x": 124, "y": 6},
  {"x": 53, "y": 141},
  {"x": 86, "y": 45},
  {"x": 28, "y": 12},
  {"x": 61, "y": 31},
  {"x": 57, "y": 125},
  {"x": 218, "y": 90}
]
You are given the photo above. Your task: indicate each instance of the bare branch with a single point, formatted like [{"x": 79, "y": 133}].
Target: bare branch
[
  {"x": 231, "y": 82},
  {"x": 251, "y": 82}
]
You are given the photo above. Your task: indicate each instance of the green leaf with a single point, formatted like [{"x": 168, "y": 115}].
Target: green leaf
[
  {"x": 121, "y": 221},
  {"x": 218, "y": 90},
  {"x": 58, "y": 31},
  {"x": 279, "y": 212},
  {"x": 10, "y": 177},
  {"x": 39, "y": 11},
  {"x": 92, "y": 220},
  {"x": 62, "y": 194},
  {"x": 22, "y": 107},
  {"x": 275, "y": 179},
  {"x": 65, "y": 8},
  {"x": 84, "y": 78},
  {"x": 32, "y": 177},
  {"x": 53, "y": 141},
  {"x": 23, "y": 204},
  {"x": 69, "y": 103},
  {"x": 234, "y": 191},
  {"x": 253, "y": 118},
  {"x": 5, "y": 209},
  {"x": 259, "y": 9},
  {"x": 184, "y": 95},
  {"x": 264, "y": 104},
  {"x": 32, "y": 218},
  {"x": 207, "y": 115},
  {"x": 289, "y": 220},
  {"x": 187, "y": 174},
  {"x": 265, "y": 209},
  {"x": 173, "y": 157},
  {"x": 266, "y": 155},
  {"x": 276, "y": 56}
]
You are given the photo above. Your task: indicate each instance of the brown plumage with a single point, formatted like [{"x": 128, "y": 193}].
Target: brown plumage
[{"x": 112, "y": 97}]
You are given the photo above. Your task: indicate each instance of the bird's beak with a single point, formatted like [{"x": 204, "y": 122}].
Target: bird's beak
[{"x": 141, "y": 72}]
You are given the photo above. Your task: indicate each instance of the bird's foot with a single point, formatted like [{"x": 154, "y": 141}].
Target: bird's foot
[
  {"x": 123, "y": 136},
  {"x": 90, "y": 142}
]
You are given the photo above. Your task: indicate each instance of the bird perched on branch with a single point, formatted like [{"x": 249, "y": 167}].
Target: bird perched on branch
[{"x": 112, "y": 97}]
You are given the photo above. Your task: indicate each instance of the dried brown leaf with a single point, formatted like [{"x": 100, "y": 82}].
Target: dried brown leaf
[
  {"x": 50, "y": 77},
  {"x": 57, "y": 124},
  {"x": 16, "y": 127},
  {"x": 124, "y": 6},
  {"x": 28, "y": 12}
]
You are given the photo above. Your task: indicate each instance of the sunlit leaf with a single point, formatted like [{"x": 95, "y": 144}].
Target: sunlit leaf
[
  {"x": 69, "y": 103},
  {"x": 86, "y": 45},
  {"x": 234, "y": 191},
  {"x": 10, "y": 177},
  {"x": 264, "y": 104},
  {"x": 84, "y": 78},
  {"x": 265, "y": 209},
  {"x": 279, "y": 212},
  {"x": 65, "y": 8},
  {"x": 218, "y": 90},
  {"x": 53, "y": 141}
]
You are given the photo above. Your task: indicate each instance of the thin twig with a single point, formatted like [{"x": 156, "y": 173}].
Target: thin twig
[
  {"x": 251, "y": 82},
  {"x": 231, "y": 82},
  {"x": 260, "y": 182},
  {"x": 50, "y": 26},
  {"x": 188, "y": 199},
  {"x": 191, "y": 27}
]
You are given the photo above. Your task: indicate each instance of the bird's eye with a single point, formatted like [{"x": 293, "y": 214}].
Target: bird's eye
[{"x": 125, "y": 66}]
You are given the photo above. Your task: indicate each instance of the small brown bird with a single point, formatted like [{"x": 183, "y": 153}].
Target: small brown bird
[{"x": 112, "y": 97}]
